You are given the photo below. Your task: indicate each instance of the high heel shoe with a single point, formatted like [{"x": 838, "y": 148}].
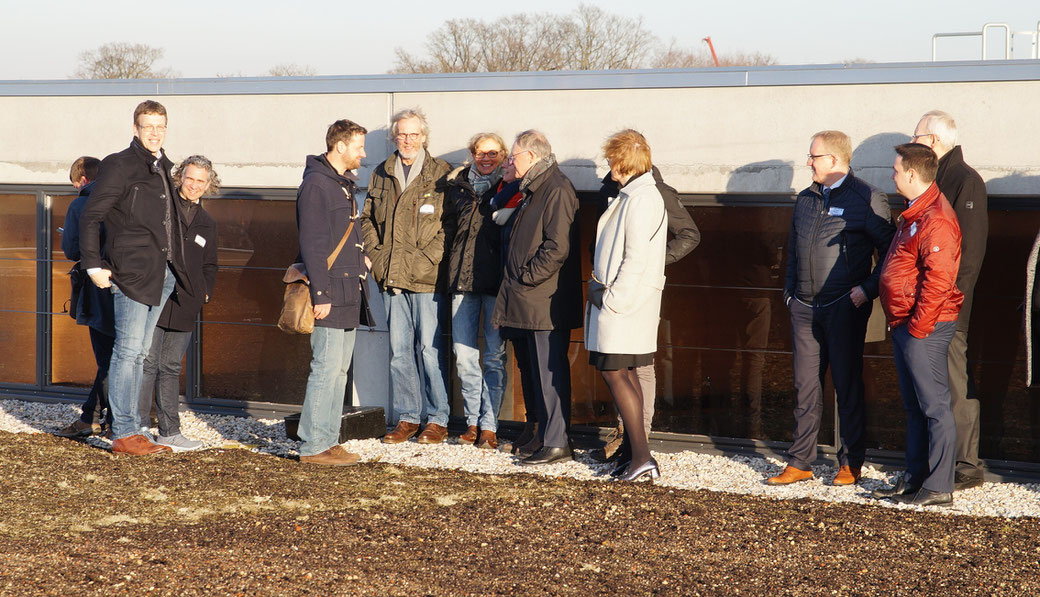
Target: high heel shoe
[{"x": 647, "y": 468}]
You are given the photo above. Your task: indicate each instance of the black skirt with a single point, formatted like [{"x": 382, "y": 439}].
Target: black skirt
[{"x": 613, "y": 362}]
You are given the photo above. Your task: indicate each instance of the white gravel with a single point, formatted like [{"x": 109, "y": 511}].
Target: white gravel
[{"x": 684, "y": 470}]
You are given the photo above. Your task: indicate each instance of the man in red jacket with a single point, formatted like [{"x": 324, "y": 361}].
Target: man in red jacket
[{"x": 921, "y": 303}]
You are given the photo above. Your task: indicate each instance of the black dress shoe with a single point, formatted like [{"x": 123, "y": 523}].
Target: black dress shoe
[
  {"x": 926, "y": 497},
  {"x": 648, "y": 469},
  {"x": 547, "y": 455},
  {"x": 900, "y": 489},
  {"x": 962, "y": 481}
]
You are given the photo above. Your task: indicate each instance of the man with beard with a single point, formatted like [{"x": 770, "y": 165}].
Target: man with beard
[
  {"x": 326, "y": 212},
  {"x": 408, "y": 228}
]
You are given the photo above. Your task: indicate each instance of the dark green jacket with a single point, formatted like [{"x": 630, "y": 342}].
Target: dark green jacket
[{"x": 407, "y": 234}]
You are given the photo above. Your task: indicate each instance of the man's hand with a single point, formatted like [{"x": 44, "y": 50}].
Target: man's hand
[
  {"x": 859, "y": 298},
  {"x": 102, "y": 278},
  {"x": 368, "y": 263},
  {"x": 322, "y": 311}
]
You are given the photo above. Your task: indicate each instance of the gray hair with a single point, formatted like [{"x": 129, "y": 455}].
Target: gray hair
[
  {"x": 941, "y": 125},
  {"x": 199, "y": 161},
  {"x": 406, "y": 114},
  {"x": 535, "y": 142}
]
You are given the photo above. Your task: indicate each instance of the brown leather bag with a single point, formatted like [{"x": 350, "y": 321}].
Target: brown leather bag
[{"x": 297, "y": 316}]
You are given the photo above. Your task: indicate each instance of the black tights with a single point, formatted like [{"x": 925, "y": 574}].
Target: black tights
[{"x": 628, "y": 398}]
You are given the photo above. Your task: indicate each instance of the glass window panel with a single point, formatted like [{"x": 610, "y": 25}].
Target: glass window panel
[
  {"x": 72, "y": 359},
  {"x": 18, "y": 288}
]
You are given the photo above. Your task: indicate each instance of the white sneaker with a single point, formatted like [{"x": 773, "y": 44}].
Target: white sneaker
[{"x": 178, "y": 442}]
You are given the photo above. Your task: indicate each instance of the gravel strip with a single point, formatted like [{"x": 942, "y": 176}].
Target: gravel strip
[{"x": 684, "y": 470}]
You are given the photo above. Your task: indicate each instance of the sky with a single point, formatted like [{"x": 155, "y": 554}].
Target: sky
[{"x": 44, "y": 38}]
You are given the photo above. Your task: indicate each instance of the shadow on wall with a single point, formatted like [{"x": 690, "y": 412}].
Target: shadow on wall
[
  {"x": 996, "y": 336},
  {"x": 872, "y": 159}
]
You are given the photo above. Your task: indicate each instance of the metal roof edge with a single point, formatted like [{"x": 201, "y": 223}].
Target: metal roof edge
[{"x": 786, "y": 75}]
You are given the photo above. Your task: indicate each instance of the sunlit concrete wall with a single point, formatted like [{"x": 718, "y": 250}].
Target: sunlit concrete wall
[{"x": 715, "y": 138}]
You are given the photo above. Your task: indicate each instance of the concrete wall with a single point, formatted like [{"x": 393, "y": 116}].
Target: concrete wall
[{"x": 706, "y": 137}]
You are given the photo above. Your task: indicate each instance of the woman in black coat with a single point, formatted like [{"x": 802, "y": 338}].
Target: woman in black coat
[{"x": 194, "y": 177}]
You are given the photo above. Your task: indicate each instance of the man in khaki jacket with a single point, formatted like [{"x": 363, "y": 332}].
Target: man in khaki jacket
[{"x": 408, "y": 226}]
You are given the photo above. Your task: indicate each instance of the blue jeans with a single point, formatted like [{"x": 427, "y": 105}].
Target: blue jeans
[
  {"x": 135, "y": 323},
  {"x": 161, "y": 381},
  {"x": 322, "y": 414},
  {"x": 481, "y": 394},
  {"x": 416, "y": 346}
]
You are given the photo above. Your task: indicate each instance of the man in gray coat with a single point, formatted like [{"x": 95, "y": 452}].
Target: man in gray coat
[{"x": 964, "y": 189}]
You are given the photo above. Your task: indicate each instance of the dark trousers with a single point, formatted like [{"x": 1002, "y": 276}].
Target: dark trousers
[
  {"x": 161, "y": 380},
  {"x": 551, "y": 378},
  {"x": 965, "y": 408},
  {"x": 822, "y": 337},
  {"x": 532, "y": 396},
  {"x": 97, "y": 400},
  {"x": 931, "y": 434}
]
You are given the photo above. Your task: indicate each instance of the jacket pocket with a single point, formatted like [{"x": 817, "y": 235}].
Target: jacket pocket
[{"x": 346, "y": 291}]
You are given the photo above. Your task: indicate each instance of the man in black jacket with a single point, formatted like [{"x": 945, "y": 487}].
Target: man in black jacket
[
  {"x": 964, "y": 189},
  {"x": 685, "y": 238},
  {"x": 134, "y": 198},
  {"x": 540, "y": 296},
  {"x": 839, "y": 223},
  {"x": 326, "y": 210},
  {"x": 194, "y": 177}
]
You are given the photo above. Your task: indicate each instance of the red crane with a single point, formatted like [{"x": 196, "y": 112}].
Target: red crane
[{"x": 712, "y": 48}]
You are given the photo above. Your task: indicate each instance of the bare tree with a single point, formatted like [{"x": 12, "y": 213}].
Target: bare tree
[
  {"x": 121, "y": 60},
  {"x": 674, "y": 56},
  {"x": 291, "y": 69},
  {"x": 588, "y": 39}
]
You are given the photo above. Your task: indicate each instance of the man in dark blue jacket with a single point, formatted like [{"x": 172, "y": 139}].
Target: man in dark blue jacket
[
  {"x": 839, "y": 224},
  {"x": 90, "y": 306},
  {"x": 326, "y": 211}
]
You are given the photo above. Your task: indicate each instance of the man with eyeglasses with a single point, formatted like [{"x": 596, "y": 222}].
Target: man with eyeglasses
[
  {"x": 964, "y": 189},
  {"x": 144, "y": 247},
  {"x": 839, "y": 224},
  {"x": 408, "y": 227},
  {"x": 540, "y": 299}
]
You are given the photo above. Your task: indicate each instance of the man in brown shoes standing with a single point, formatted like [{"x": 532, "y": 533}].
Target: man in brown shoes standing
[
  {"x": 839, "y": 223},
  {"x": 330, "y": 248}
]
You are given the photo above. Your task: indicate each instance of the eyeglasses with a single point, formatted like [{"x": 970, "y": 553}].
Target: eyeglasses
[
  {"x": 813, "y": 157},
  {"x": 486, "y": 154},
  {"x": 915, "y": 137},
  {"x": 408, "y": 136},
  {"x": 512, "y": 158},
  {"x": 151, "y": 128}
]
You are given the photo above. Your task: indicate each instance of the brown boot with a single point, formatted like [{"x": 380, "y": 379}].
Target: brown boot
[
  {"x": 433, "y": 434},
  {"x": 847, "y": 476},
  {"x": 470, "y": 436},
  {"x": 402, "y": 433},
  {"x": 488, "y": 441},
  {"x": 790, "y": 475},
  {"x": 138, "y": 445},
  {"x": 334, "y": 456}
]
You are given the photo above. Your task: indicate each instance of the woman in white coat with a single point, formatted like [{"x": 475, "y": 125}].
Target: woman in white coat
[{"x": 625, "y": 291}]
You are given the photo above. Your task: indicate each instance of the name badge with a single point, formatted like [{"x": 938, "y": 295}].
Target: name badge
[
  {"x": 426, "y": 209},
  {"x": 836, "y": 211},
  {"x": 199, "y": 240},
  {"x": 913, "y": 229}
]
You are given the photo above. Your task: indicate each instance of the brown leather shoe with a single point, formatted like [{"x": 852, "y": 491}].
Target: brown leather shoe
[
  {"x": 790, "y": 475},
  {"x": 847, "y": 476},
  {"x": 402, "y": 433},
  {"x": 488, "y": 440},
  {"x": 334, "y": 456},
  {"x": 470, "y": 436},
  {"x": 433, "y": 434},
  {"x": 138, "y": 445}
]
